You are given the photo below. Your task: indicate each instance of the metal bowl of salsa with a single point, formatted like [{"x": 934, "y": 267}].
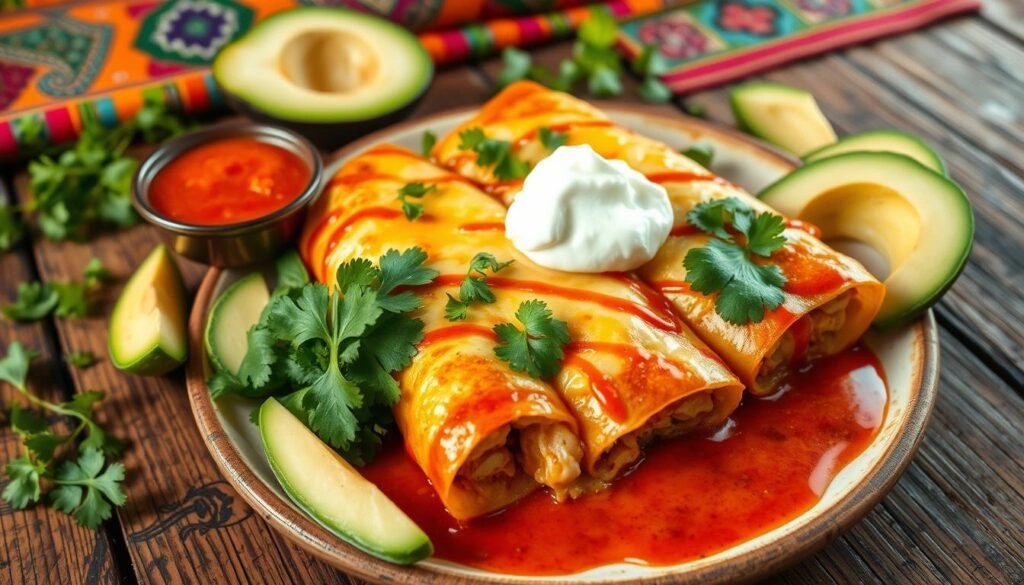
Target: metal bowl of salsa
[{"x": 229, "y": 195}]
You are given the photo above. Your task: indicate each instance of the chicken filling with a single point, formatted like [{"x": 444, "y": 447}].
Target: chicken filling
[
  {"x": 679, "y": 418},
  {"x": 824, "y": 323},
  {"x": 550, "y": 453}
]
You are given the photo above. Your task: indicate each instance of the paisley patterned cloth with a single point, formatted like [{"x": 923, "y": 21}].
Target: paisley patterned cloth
[{"x": 62, "y": 61}]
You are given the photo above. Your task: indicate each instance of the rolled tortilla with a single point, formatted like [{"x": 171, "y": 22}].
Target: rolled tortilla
[
  {"x": 830, "y": 299},
  {"x": 480, "y": 431}
]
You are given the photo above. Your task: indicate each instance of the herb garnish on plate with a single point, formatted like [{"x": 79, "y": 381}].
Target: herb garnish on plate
[
  {"x": 474, "y": 287},
  {"x": 726, "y": 265}
]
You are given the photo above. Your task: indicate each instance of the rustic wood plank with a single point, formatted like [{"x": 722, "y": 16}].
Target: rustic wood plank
[
  {"x": 183, "y": 523},
  {"x": 39, "y": 545},
  {"x": 855, "y": 101},
  {"x": 1006, "y": 15},
  {"x": 980, "y": 94}
]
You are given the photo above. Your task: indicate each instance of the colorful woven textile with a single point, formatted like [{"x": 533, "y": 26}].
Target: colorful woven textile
[
  {"x": 62, "y": 61},
  {"x": 712, "y": 42},
  {"x": 107, "y": 57}
]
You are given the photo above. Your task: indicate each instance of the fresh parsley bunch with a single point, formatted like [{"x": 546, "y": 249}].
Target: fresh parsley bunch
[
  {"x": 87, "y": 487},
  {"x": 331, "y": 353},
  {"x": 732, "y": 265}
]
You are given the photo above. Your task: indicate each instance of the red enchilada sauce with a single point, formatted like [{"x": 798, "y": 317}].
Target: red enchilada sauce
[
  {"x": 228, "y": 181},
  {"x": 689, "y": 498}
]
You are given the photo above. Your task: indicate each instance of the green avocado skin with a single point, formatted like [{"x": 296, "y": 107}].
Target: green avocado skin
[
  {"x": 157, "y": 360},
  {"x": 397, "y": 556},
  {"x": 852, "y": 164},
  {"x": 344, "y": 123}
]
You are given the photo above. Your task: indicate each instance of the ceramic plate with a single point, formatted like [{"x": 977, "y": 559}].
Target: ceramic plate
[{"x": 909, "y": 357}]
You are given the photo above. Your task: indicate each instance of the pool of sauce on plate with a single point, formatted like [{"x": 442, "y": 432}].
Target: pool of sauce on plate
[
  {"x": 689, "y": 498},
  {"x": 228, "y": 181}
]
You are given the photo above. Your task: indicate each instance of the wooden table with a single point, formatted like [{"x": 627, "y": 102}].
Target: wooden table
[{"x": 956, "y": 516}]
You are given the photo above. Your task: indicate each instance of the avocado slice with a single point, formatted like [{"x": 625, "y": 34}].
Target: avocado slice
[
  {"x": 326, "y": 487},
  {"x": 919, "y": 220},
  {"x": 883, "y": 141},
  {"x": 147, "y": 326},
  {"x": 785, "y": 116},
  {"x": 330, "y": 74},
  {"x": 234, "y": 312}
]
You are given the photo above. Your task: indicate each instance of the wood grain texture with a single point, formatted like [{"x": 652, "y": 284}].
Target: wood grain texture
[
  {"x": 976, "y": 307},
  {"x": 39, "y": 538}
]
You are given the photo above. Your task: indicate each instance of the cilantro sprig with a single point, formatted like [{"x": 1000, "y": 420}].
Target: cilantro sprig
[
  {"x": 537, "y": 348},
  {"x": 86, "y": 487},
  {"x": 551, "y": 139},
  {"x": 36, "y": 300},
  {"x": 726, "y": 265},
  {"x": 89, "y": 184},
  {"x": 427, "y": 143},
  {"x": 494, "y": 153},
  {"x": 411, "y": 209},
  {"x": 329, "y": 354},
  {"x": 594, "y": 62},
  {"x": 474, "y": 287}
]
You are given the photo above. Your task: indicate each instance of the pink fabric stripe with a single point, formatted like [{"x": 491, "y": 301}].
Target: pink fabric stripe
[
  {"x": 456, "y": 46},
  {"x": 58, "y": 121},
  {"x": 530, "y": 30},
  {"x": 8, "y": 144},
  {"x": 815, "y": 42}
]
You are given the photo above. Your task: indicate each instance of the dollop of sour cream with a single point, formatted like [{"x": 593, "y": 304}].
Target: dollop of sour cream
[{"x": 580, "y": 212}]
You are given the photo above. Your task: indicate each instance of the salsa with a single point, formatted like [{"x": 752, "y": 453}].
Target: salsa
[
  {"x": 689, "y": 498},
  {"x": 228, "y": 181}
]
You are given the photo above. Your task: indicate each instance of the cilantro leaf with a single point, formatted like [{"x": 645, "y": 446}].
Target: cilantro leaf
[
  {"x": 34, "y": 302},
  {"x": 23, "y": 488},
  {"x": 723, "y": 266},
  {"x": 604, "y": 82},
  {"x": 455, "y": 310},
  {"x": 95, "y": 273},
  {"x": 701, "y": 153},
  {"x": 493, "y": 153},
  {"x": 81, "y": 359},
  {"x": 764, "y": 236},
  {"x": 14, "y": 365},
  {"x": 87, "y": 490},
  {"x": 291, "y": 272},
  {"x": 403, "y": 269},
  {"x": 427, "y": 143},
  {"x": 517, "y": 65},
  {"x": 650, "y": 62},
  {"x": 358, "y": 271},
  {"x": 412, "y": 210},
  {"x": 12, "y": 229},
  {"x": 474, "y": 287},
  {"x": 537, "y": 348},
  {"x": 71, "y": 299},
  {"x": 654, "y": 90},
  {"x": 551, "y": 139}
]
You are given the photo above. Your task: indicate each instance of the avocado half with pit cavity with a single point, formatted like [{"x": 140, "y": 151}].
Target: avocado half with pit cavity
[
  {"x": 918, "y": 220},
  {"x": 330, "y": 74}
]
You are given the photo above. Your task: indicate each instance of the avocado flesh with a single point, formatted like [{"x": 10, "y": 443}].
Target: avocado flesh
[
  {"x": 147, "y": 326},
  {"x": 236, "y": 310},
  {"x": 334, "y": 493},
  {"x": 324, "y": 65},
  {"x": 883, "y": 141},
  {"x": 785, "y": 116},
  {"x": 920, "y": 221}
]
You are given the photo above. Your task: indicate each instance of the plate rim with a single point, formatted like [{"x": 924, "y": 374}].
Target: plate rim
[{"x": 757, "y": 563}]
